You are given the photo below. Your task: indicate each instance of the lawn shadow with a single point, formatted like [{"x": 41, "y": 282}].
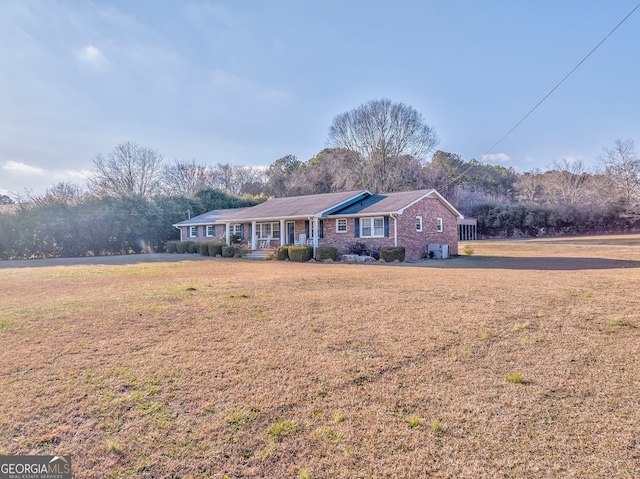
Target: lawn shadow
[
  {"x": 545, "y": 263},
  {"x": 120, "y": 259}
]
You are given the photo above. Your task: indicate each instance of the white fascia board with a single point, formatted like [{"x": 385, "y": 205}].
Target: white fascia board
[
  {"x": 364, "y": 215},
  {"x": 430, "y": 194},
  {"x": 320, "y": 213}
]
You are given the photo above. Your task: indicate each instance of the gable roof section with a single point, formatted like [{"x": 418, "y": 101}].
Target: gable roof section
[
  {"x": 388, "y": 203},
  {"x": 298, "y": 206},
  {"x": 211, "y": 217}
]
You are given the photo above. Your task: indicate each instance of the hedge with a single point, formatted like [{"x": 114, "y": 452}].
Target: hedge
[
  {"x": 232, "y": 251},
  {"x": 326, "y": 252},
  {"x": 171, "y": 246},
  {"x": 282, "y": 253},
  {"x": 192, "y": 248},
  {"x": 392, "y": 254},
  {"x": 203, "y": 249},
  {"x": 300, "y": 253},
  {"x": 183, "y": 246},
  {"x": 215, "y": 249}
]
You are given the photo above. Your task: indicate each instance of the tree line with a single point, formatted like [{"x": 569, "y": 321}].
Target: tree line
[{"x": 132, "y": 197}]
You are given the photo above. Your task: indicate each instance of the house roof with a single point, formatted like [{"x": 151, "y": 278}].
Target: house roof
[
  {"x": 391, "y": 203},
  {"x": 211, "y": 217},
  {"x": 349, "y": 203},
  {"x": 298, "y": 206}
]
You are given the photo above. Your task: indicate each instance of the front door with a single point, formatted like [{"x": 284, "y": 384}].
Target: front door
[{"x": 291, "y": 232}]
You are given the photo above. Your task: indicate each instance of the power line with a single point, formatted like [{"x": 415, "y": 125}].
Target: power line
[
  {"x": 549, "y": 94},
  {"x": 562, "y": 81}
]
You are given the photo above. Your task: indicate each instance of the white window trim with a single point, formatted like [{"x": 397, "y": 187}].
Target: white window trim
[
  {"x": 235, "y": 229},
  {"x": 419, "y": 223},
  {"x": 210, "y": 231},
  {"x": 193, "y": 231},
  {"x": 373, "y": 229},
  {"x": 440, "y": 225},
  {"x": 346, "y": 225},
  {"x": 274, "y": 226}
]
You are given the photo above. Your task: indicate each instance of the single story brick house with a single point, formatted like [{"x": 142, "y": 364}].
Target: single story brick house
[{"x": 412, "y": 219}]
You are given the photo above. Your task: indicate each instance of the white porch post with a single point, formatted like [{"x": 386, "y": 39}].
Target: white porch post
[
  {"x": 282, "y": 232},
  {"x": 315, "y": 235},
  {"x": 227, "y": 234},
  {"x": 253, "y": 234},
  {"x": 395, "y": 231}
]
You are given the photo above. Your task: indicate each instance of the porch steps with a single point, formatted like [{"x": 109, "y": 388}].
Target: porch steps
[{"x": 258, "y": 254}]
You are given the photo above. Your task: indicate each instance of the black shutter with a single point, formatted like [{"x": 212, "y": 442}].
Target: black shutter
[
  {"x": 306, "y": 228},
  {"x": 241, "y": 232},
  {"x": 356, "y": 229},
  {"x": 321, "y": 229},
  {"x": 386, "y": 226}
]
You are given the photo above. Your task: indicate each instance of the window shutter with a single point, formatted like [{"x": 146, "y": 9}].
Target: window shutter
[
  {"x": 241, "y": 232},
  {"x": 386, "y": 226},
  {"x": 321, "y": 229},
  {"x": 356, "y": 228},
  {"x": 224, "y": 228},
  {"x": 306, "y": 228}
]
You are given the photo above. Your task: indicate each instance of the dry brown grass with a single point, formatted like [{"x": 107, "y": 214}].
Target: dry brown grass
[{"x": 234, "y": 368}]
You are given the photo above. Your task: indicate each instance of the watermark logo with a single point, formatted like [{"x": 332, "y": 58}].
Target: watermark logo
[{"x": 35, "y": 467}]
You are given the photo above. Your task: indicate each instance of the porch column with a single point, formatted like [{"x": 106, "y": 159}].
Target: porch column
[
  {"x": 227, "y": 234},
  {"x": 253, "y": 234},
  {"x": 395, "y": 231},
  {"x": 316, "y": 225},
  {"x": 282, "y": 232}
]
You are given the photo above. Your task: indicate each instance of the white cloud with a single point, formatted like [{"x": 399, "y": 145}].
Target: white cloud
[
  {"x": 92, "y": 55},
  {"x": 496, "y": 157},
  {"x": 20, "y": 167}
]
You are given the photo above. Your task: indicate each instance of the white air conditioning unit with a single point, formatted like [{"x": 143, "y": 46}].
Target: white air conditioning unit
[{"x": 440, "y": 251}]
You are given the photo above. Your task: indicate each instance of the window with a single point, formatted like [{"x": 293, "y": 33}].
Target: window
[
  {"x": 440, "y": 226},
  {"x": 341, "y": 225},
  {"x": 193, "y": 231},
  {"x": 418, "y": 223},
  {"x": 372, "y": 227},
  {"x": 264, "y": 230},
  {"x": 211, "y": 230},
  {"x": 236, "y": 229}
]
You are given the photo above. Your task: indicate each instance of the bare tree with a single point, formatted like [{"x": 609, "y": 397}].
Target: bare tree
[
  {"x": 185, "y": 178},
  {"x": 128, "y": 170},
  {"x": 622, "y": 164},
  {"x": 567, "y": 183},
  {"x": 384, "y": 136},
  {"x": 236, "y": 179},
  {"x": 529, "y": 187}
]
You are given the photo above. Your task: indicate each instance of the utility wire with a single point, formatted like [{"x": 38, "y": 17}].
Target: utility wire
[{"x": 550, "y": 92}]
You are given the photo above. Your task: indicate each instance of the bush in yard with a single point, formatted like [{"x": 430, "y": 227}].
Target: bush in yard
[
  {"x": 326, "y": 252},
  {"x": 192, "y": 248},
  {"x": 203, "y": 248},
  {"x": 390, "y": 255},
  {"x": 300, "y": 253},
  {"x": 171, "y": 246},
  {"x": 182, "y": 247},
  {"x": 232, "y": 251},
  {"x": 215, "y": 249},
  {"x": 282, "y": 253}
]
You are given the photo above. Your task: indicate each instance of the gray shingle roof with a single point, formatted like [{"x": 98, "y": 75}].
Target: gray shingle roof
[
  {"x": 383, "y": 203},
  {"x": 295, "y": 206},
  {"x": 211, "y": 217}
]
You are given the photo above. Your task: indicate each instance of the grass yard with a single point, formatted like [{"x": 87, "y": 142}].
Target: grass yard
[{"x": 521, "y": 361}]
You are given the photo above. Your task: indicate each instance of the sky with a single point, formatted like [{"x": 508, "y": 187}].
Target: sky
[{"x": 248, "y": 82}]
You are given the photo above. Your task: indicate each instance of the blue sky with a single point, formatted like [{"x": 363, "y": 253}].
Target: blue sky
[{"x": 248, "y": 82}]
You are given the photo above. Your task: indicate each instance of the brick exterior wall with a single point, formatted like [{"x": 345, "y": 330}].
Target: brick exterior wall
[{"x": 415, "y": 242}]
